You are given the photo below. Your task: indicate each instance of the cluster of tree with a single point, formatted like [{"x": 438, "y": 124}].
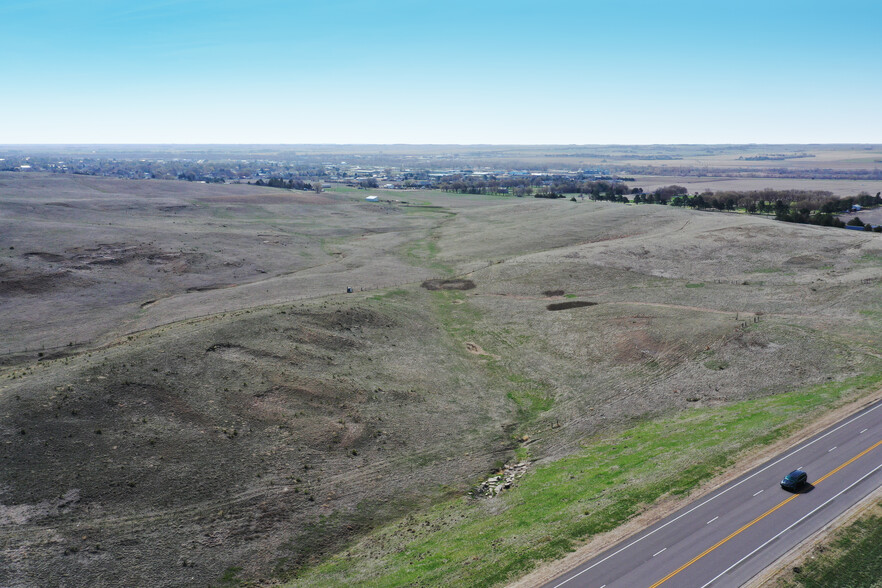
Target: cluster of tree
[
  {"x": 857, "y": 222},
  {"x": 292, "y": 184},
  {"x": 526, "y": 185},
  {"x": 191, "y": 177},
  {"x": 795, "y": 206},
  {"x": 757, "y": 201},
  {"x": 776, "y": 156},
  {"x": 651, "y": 198},
  {"x": 810, "y": 217},
  {"x": 611, "y": 196},
  {"x": 703, "y": 201},
  {"x": 844, "y": 204}
]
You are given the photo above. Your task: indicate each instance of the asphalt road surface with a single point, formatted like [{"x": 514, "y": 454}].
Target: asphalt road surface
[{"x": 728, "y": 536}]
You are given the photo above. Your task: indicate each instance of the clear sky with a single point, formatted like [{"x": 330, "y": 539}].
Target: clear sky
[{"x": 406, "y": 71}]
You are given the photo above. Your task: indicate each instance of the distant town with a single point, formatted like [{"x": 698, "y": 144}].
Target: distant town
[{"x": 352, "y": 174}]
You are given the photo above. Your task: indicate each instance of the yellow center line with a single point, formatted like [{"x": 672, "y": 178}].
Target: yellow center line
[{"x": 759, "y": 518}]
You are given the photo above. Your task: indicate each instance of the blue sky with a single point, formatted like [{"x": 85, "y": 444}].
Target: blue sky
[{"x": 399, "y": 71}]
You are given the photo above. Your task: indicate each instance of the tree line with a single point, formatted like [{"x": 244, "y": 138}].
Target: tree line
[
  {"x": 540, "y": 186},
  {"x": 293, "y": 184},
  {"x": 796, "y": 206}
]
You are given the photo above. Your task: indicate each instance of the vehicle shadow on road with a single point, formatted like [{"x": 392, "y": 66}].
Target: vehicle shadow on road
[{"x": 806, "y": 488}]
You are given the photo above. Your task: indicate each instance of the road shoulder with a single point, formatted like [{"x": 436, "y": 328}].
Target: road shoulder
[{"x": 669, "y": 505}]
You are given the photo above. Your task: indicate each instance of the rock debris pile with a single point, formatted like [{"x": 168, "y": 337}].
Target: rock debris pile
[{"x": 503, "y": 480}]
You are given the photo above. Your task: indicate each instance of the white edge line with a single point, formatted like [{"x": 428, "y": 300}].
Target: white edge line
[
  {"x": 816, "y": 509},
  {"x": 756, "y": 473}
]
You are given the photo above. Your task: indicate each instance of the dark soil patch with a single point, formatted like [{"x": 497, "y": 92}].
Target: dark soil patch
[
  {"x": 328, "y": 341},
  {"x": 448, "y": 285},
  {"x": 42, "y": 255},
  {"x": 570, "y": 304},
  {"x": 207, "y": 288},
  {"x": 16, "y": 282},
  {"x": 553, "y": 293}
]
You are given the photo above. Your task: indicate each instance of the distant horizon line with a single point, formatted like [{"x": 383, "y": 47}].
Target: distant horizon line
[{"x": 252, "y": 144}]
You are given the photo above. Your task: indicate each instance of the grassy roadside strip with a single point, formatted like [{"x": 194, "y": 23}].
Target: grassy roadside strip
[
  {"x": 852, "y": 557},
  {"x": 558, "y": 506}
]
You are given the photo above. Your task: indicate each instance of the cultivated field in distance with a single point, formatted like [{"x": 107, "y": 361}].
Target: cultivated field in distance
[{"x": 189, "y": 395}]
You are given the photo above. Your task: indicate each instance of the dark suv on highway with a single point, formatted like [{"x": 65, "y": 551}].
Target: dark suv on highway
[{"x": 794, "y": 480}]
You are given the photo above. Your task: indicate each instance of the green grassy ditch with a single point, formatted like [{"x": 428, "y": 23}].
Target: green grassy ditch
[
  {"x": 558, "y": 506},
  {"x": 853, "y": 558}
]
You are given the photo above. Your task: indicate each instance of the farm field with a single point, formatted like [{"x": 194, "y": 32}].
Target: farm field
[{"x": 188, "y": 395}]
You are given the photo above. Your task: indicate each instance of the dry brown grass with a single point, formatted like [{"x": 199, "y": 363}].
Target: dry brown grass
[{"x": 222, "y": 361}]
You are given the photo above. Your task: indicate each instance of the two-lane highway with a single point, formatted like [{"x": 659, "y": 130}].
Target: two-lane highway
[{"x": 728, "y": 536}]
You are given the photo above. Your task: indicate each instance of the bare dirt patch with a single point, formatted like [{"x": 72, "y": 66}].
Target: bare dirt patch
[
  {"x": 448, "y": 285},
  {"x": 44, "y": 256},
  {"x": 570, "y": 304},
  {"x": 478, "y": 350}
]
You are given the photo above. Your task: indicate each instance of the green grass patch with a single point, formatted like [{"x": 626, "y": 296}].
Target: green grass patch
[
  {"x": 870, "y": 258},
  {"x": 766, "y": 270},
  {"x": 230, "y": 577},
  {"x": 871, "y": 313},
  {"x": 456, "y": 316},
  {"x": 697, "y": 285},
  {"x": 460, "y": 319},
  {"x": 716, "y": 364},
  {"x": 390, "y": 295},
  {"x": 855, "y": 559},
  {"x": 424, "y": 253},
  {"x": 426, "y": 208},
  {"x": 558, "y": 506},
  {"x": 530, "y": 403},
  {"x": 522, "y": 454}
]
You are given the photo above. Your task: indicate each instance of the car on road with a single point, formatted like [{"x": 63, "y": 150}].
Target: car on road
[{"x": 794, "y": 480}]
